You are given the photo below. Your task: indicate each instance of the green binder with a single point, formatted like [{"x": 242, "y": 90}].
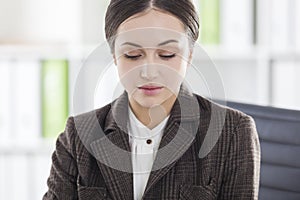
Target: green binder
[
  {"x": 54, "y": 97},
  {"x": 210, "y": 21}
]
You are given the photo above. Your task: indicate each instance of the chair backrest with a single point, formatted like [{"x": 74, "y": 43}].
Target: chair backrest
[{"x": 279, "y": 133}]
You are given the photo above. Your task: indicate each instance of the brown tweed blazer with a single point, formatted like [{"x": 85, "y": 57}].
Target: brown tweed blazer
[{"x": 207, "y": 151}]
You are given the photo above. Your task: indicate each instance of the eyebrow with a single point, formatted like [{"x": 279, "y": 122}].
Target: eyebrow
[
  {"x": 167, "y": 42},
  {"x": 160, "y": 44}
]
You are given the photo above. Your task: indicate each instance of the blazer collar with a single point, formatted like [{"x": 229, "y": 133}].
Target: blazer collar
[
  {"x": 185, "y": 108},
  {"x": 113, "y": 152}
]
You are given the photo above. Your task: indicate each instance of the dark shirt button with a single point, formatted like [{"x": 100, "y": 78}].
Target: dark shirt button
[{"x": 149, "y": 141}]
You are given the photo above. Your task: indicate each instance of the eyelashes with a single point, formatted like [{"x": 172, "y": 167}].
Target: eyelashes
[
  {"x": 168, "y": 56},
  {"x": 132, "y": 57},
  {"x": 135, "y": 57}
]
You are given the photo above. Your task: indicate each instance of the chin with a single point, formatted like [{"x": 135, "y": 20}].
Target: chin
[{"x": 149, "y": 102}]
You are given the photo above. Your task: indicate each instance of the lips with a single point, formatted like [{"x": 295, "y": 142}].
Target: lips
[
  {"x": 150, "y": 90},
  {"x": 150, "y": 87}
]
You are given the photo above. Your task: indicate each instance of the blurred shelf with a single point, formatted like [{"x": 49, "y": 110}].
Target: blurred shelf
[
  {"x": 286, "y": 56},
  {"x": 49, "y": 51},
  {"x": 223, "y": 53},
  {"x": 27, "y": 147}
]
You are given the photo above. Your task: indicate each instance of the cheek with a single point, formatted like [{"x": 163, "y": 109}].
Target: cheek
[
  {"x": 173, "y": 75},
  {"x": 123, "y": 71},
  {"x": 179, "y": 65},
  {"x": 123, "y": 67},
  {"x": 128, "y": 75},
  {"x": 127, "y": 65}
]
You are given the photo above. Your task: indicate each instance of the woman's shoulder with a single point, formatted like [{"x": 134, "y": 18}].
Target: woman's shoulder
[
  {"x": 83, "y": 123},
  {"x": 219, "y": 109},
  {"x": 98, "y": 113}
]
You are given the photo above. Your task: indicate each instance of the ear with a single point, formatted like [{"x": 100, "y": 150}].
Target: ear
[
  {"x": 115, "y": 60},
  {"x": 190, "y": 58}
]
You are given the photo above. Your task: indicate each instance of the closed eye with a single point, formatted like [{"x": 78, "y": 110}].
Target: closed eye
[
  {"x": 167, "y": 56},
  {"x": 132, "y": 57}
]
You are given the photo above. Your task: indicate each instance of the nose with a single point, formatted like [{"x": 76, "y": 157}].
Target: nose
[{"x": 149, "y": 70}]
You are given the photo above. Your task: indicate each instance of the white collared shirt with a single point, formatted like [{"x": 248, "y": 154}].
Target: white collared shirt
[{"x": 144, "y": 143}]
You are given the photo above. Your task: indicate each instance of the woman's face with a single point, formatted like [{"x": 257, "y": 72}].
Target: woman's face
[{"x": 152, "y": 53}]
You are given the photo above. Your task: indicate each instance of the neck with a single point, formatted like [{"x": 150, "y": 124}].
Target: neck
[{"x": 152, "y": 116}]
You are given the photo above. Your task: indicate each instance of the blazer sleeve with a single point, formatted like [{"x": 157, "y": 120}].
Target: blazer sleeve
[
  {"x": 242, "y": 167},
  {"x": 62, "y": 182}
]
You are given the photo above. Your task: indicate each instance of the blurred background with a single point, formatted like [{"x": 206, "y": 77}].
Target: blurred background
[{"x": 255, "y": 45}]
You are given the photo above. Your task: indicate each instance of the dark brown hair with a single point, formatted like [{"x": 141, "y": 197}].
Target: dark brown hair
[{"x": 119, "y": 10}]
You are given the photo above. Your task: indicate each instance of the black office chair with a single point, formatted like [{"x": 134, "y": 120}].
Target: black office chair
[{"x": 279, "y": 133}]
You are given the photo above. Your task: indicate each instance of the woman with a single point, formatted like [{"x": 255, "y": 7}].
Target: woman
[{"x": 145, "y": 144}]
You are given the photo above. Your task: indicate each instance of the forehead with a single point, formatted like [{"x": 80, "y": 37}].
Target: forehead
[
  {"x": 151, "y": 28},
  {"x": 151, "y": 37},
  {"x": 152, "y": 18}
]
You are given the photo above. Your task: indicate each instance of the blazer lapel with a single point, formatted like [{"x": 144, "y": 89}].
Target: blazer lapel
[
  {"x": 113, "y": 158},
  {"x": 178, "y": 136},
  {"x": 113, "y": 152}
]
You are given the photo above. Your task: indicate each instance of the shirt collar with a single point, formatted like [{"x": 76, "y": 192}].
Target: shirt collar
[
  {"x": 185, "y": 108},
  {"x": 140, "y": 131}
]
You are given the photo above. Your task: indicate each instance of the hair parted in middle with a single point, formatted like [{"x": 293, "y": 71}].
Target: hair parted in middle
[{"x": 120, "y": 10}]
